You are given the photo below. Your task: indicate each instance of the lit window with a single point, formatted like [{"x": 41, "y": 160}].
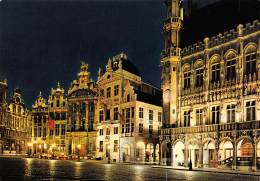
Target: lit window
[
  {"x": 250, "y": 111},
  {"x": 215, "y": 114},
  {"x": 116, "y": 113},
  {"x": 187, "y": 80},
  {"x": 108, "y": 92},
  {"x": 150, "y": 114},
  {"x": 199, "y": 77},
  {"x": 141, "y": 112},
  {"x": 199, "y": 117},
  {"x": 116, "y": 90},
  {"x": 215, "y": 73},
  {"x": 250, "y": 62},
  {"x": 231, "y": 113}
]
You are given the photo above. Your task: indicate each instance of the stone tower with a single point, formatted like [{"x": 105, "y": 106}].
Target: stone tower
[{"x": 170, "y": 60}]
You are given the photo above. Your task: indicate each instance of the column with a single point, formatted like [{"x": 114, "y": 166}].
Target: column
[
  {"x": 254, "y": 156},
  {"x": 186, "y": 155},
  {"x": 154, "y": 153},
  {"x": 200, "y": 156},
  {"x": 160, "y": 153},
  {"x": 145, "y": 147},
  {"x": 172, "y": 155},
  {"x": 234, "y": 155}
]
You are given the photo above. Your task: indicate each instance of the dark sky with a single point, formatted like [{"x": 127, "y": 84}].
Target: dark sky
[{"x": 43, "y": 41}]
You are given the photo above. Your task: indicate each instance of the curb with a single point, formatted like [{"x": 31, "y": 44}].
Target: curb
[{"x": 214, "y": 171}]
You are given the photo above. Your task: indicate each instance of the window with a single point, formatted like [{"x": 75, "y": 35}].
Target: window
[
  {"x": 108, "y": 114},
  {"x": 250, "y": 62},
  {"x": 250, "y": 111},
  {"x": 63, "y": 129},
  {"x": 199, "y": 77},
  {"x": 187, "y": 80},
  {"x": 51, "y": 132},
  {"x": 116, "y": 113},
  {"x": 150, "y": 114},
  {"x": 141, "y": 112},
  {"x": 109, "y": 92},
  {"x": 58, "y": 103},
  {"x": 44, "y": 131},
  {"x": 159, "y": 117},
  {"x": 57, "y": 131},
  {"x": 150, "y": 129},
  {"x": 123, "y": 128},
  {"x": 231, "y": 113},
  {"x": 102, "y": 92},
  {"x": 199, "y": 117},
  {"x": 215, "y": 115},
  {"x": 215, "y": 73},
  {"x": 128, "y": 114},
  {"x": 141, "y": 128},
  {"x": 115, "y": 145},
  {"x": 186, "y": 118},
  {"x": 101, "y": 116},
  {"x": 35, "y": 131},
  {"x": 101, "y": 146},
  {"x": 132, "y": 127},
  {"x": 115, "y": 130},
  {"x": 101, "y": 132},
  {"x": 39, "y": 131},
  {"x": 116, "y": 90},
  {"x": 108, "y": 131},
  {"x": 231, "y": 69},
  {"x": 133, "y": 112},
  {"x": 128, "y": 98},
  {"x": 127, "y": 127}
]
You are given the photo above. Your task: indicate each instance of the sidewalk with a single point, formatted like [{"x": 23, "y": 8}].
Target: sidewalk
[{"x": 216, "y": 170}]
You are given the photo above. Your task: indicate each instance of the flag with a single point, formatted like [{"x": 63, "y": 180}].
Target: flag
[{"x": 51, "y": 122}]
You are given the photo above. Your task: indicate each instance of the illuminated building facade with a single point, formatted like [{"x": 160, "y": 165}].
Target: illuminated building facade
[
  {"x": 211, "y": 97},
  {"x": 3, "y": 113},
  {"x": 81, "y": 130},
  {"x": 57, "y": 112},
  {"x": 40, "y": 131},
  {"x": 17, "y": 128},
  {"x": 129, "y": 114}
]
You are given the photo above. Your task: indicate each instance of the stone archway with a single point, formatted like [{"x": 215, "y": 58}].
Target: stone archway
[
  {"x": 193, "y": 154},
  {"x": 178, "y": 154},
  {"x": 126, "y": 153},
  {"x": 258, "y": 155},
  {"x": 140, "y": 152},
  {"x": 149, "y": 152},
  {"x": 225, "y": 150},
  {"x": 245, "y": 153},
  {"x": 166, "y": 153},
  {"x": 209, "y": 154}
]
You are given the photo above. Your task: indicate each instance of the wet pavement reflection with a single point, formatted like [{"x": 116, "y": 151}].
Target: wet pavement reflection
[{"x": 37, "y": 169}]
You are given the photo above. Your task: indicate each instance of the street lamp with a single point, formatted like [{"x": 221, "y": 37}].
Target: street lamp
[
  {"x": 29, "y": 148},
  {"x": 190, "y": 163},
  {"x": 79, "y": 147},
  {"x": 108, "y": 147}
]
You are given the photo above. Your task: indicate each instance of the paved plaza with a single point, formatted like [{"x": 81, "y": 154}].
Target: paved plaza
[{"x": 37, "y": 169}]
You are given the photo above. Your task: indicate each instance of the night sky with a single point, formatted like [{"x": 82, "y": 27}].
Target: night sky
[{"x": 43, "y": 42}]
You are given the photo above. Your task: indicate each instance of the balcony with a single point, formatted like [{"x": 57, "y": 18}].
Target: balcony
[{"x": 229, "y": 127}]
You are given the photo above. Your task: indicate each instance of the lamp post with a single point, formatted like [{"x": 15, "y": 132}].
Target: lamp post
[
  {"x": 78, "y": 147},
  {"x": 108, "y": 147},
  {"x": 29, "y": 149},
  {"x": 190, "y": 163}
]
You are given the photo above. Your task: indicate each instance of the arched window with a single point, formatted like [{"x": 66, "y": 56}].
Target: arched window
[
  {"x": 250, "y": 60},
  {"x": 231, "y": 59},
  {"x": 128, "y": 98},
  {"x": 199, "y": 73},
  {"x": 215, "y": 69},
  {"x": 186, "y": 76}
]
